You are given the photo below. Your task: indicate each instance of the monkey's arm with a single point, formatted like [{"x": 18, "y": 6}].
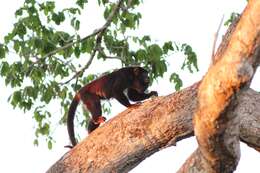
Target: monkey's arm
[
  {"x": 121, "y": 98},
  {"x": 136, "y": 96}
]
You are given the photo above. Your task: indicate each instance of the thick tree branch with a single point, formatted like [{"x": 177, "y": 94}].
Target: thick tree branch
[
  {"x": 136, "y": 134},
  {"x": 216, "y": 124},
  {"x": 124, "y": 141}
]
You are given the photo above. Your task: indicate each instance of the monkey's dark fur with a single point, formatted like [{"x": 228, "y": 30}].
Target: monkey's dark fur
[{"x": 133, "y": 79}]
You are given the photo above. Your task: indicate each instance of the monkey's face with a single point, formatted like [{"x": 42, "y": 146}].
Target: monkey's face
[{"x": 141, "y": 81}]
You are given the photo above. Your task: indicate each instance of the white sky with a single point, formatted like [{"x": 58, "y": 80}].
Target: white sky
[{"x": 193, "y": 22}]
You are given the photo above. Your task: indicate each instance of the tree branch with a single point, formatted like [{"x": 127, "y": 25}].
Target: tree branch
[
  {"x": 215, "y": 40},
  {"x": 100, "y": 33},
  {"x": 95, "y": 32},
  {"x": 102, "y": 53},
  {"x": 216, "y": 124},
  {"x": 78, "y": 73},
  {"x": 136, "y": 134}
]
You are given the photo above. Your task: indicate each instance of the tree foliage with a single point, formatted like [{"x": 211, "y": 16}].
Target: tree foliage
[{"x": 43, "y": 58}]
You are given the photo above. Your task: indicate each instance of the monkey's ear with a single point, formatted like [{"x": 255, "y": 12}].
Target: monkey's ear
[{"x": 136, "y": 71}]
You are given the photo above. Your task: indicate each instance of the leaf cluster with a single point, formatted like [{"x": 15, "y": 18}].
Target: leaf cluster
[{"x": 41, "y": 52}]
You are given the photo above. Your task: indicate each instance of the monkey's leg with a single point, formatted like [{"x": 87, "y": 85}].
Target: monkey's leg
[{"x": 92, "y": 102}]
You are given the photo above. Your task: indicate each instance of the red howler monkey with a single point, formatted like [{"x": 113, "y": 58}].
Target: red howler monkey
[{"x": 113, "y": 85}]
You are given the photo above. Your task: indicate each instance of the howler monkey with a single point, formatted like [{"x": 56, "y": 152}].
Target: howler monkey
[{"x": 133, "y": 79}]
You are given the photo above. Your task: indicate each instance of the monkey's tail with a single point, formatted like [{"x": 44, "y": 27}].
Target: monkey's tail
[{"x": 70, "y": 119}]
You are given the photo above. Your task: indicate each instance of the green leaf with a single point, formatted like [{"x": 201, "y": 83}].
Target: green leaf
[
  {"x": 16, "y": 46},
  {"x": 191, "y": 58},
  {"x": 49, "y": 145},
  {"x": 77, "y": 24},
  {"x": 45, "y": 129},
  {"x": 9, "y": 37},
  {"x": 63, "y": 93},
  {"x": 21, "y": 30},
  {"x": 167, "y": 46},
  {"x": 155, "y": 52},
  {"x": 47, "y": 94},
  {"x": 16, "y": 98},
  {"x": 108, "y": 10},
  {"x": 37, "y": 74},
  {"x": 32, "y": 2},
  {"x": 38, "y": 116},
  {"x": 145, "y": 39},
  {"x": 31, "y": 10},
  {"x": 135, "y": 3},
  {"x": 130, "y": 20},
  {"x": 77, "y": 51},
  {"x": 58, "y": 18},
  {"x": 2, "y": 51},
  {"x": 31, "y": 92},
  {"x": 81, "y": 3},
  {"x": 19, "y": 12},
  {"x": 48, "y": 7},
  {"x": 141, "y": 54},
  {"x": 72, "y": 22},
  {"x": 36, "y": 142},
  {"x": 73, "y": 11},
  {"x": 48, "y": 47},
  {"x": 232, "y": 18},
  {"x": 5, "y": 68},
  {"x": 176, "y": 80},
  {"x": 88, "y": 45}
]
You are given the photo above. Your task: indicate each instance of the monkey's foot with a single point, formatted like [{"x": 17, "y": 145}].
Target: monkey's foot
[
  {"x": 100, "y": 120},
  {"x": 153, "y": 94}
]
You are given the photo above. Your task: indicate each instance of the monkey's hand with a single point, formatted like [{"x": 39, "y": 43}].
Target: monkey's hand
[
  {"x": 153, "y": 93},
  {"x": 137, "y": 104}
]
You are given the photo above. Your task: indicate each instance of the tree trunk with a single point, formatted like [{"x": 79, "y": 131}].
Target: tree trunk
[
  {"x": 216, "y": 124},
  {"x": 225, "y": 111}
]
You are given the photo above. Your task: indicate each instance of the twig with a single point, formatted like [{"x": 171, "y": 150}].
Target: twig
[
  {"x": 84, "y": 68},
  {"x": 100, "y": 32},
  {"x": 215, "y": 41},
  {"x": 95, "y": 32},
  {"x": 98, "y": 42},
  {"x": 102, "y": 53}
]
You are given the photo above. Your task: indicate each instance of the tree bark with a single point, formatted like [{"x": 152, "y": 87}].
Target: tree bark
[
  {"x": 154, "y": 125},
  {"x": 127, "y": 139},
  {"x": 216, "y": 124}
]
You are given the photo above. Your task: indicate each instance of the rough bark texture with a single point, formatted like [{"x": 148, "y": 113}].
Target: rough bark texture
[
  {"x": 160, "y": 124},
  {"x": 124, "y": 141},
  {"x": 216, "y": 122},
  {"x": 249, "y": 109}
]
